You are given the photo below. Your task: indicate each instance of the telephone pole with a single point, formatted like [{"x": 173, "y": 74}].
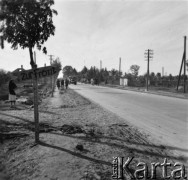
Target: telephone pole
[
  {"x": 100, "y": 72},
  {"x": 183, "y": 63},
  {"x": 184, "y": 89},
  {"x": 162, "y": 71},
  {"x": 149, "y": 55},
  {"x": 119, "y": 66},
  {"x": 51, "y": 59},
  {"x": 100, "y": 65}
]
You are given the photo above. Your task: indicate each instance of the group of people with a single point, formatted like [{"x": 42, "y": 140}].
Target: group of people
[{"x": 61, "y": 83}]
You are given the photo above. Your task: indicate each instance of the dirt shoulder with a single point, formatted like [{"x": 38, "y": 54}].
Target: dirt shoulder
[{"x": 78, "y": 140}]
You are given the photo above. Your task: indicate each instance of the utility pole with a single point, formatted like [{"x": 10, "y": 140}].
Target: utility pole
[
  {"x": 119, "y": 66},
  {"x": 148, "y": 55},
  {"x": 184, "y": 89},
  {"x": 183, "y": 63},
  {"x": 100, "y": 65},
  {"x": 51, "y": 59},
  {"x": 100, "y": 71},
  {"x": 162, "y": 71}
]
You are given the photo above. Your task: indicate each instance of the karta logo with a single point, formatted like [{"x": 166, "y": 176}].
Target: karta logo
[{"x": 122, "y": 170}]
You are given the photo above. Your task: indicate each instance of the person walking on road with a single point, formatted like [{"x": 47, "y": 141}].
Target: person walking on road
[
  {"x": 66, "y": 83},
  {"x": 62, "y": 83},
  {"x": 12, "y": 94},
  {"x": 58, "y": 83}
]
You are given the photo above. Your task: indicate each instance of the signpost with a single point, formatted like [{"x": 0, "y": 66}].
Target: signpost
[{"x": 36, "y": 74}]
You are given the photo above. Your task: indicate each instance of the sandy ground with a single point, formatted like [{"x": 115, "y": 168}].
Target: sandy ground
[{"x": 78, "y": 141}]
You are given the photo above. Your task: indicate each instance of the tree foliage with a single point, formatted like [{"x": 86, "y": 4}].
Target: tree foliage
[
  {"x": 57, "y": 63},
  {"x": 74, "y": 72},
  {"x": 67, "y": 70},
  {"x": 4, "y": 77},
  {"x": 27, "y": 23},
  {"x": 84, "y": 70},
  {"x": 134, "y": 70},
  {"x": 158, "y": 75},
  {"x": 112, "y": 77},
  {"x": 114, "y": 72}
]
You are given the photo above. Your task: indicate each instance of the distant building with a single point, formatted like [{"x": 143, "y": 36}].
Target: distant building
[{"x": 18, "y": 70}]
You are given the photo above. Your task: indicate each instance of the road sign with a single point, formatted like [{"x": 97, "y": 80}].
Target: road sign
[{"x": 36, "y": 73}]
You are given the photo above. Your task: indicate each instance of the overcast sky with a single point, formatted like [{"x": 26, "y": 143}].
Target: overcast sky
[{"x": 90, "y": 31}]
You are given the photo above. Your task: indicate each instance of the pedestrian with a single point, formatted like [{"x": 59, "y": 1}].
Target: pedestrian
[
  {"x": 62, "y": 83},
  {"x": 12, "y": 94},
  {"x": 58, "y": 83},
  {"x": 92, "y": 81},
  {"x": 66, "y": 83}
]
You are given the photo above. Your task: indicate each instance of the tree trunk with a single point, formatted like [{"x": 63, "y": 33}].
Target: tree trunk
[
  {"x": 35, "y": 91},
  {"x": 32, "y": 63}
]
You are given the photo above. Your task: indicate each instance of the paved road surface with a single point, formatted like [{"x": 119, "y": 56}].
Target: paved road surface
[{"x": 164, "y": 118}]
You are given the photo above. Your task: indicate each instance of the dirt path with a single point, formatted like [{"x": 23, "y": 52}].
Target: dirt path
[{"x": 78, "y": 142}]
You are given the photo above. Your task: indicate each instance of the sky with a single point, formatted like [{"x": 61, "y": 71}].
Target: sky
[{"x": 90, "y": 31}]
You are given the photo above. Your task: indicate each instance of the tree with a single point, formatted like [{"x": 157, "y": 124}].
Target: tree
[
  {"x": 67, "y": 71},
  {"x": 134, "y": 70},
  {"x": 141, "y": 80},
  {"x": 74, "y": 73},
  {"x": 27, "y": 23},
  {"x": 57, "y": 63},
  {"x": 170, "y": 77},
  {"x": 115, "y": 72},
  {"x": 91, "y": 73},
  {"x": 105, "y": 74},
  {"x": 84, "y": 70},
  {"x": 158, "y": 75},
  {"x": 153, "y": 79},
  {"x": 152, "y": 74},
  {"x": 4, "y": 77}
]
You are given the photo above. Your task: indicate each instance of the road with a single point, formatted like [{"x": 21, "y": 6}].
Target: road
[{"x": 163, "y": 118}]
